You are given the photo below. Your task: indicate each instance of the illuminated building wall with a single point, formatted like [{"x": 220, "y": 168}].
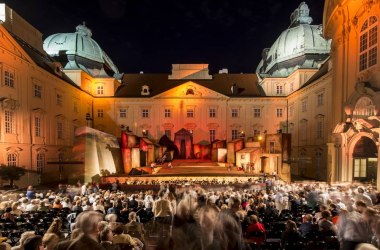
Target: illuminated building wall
[
  {"x": 353, "y": 27},
  {"x": 298, "y": 88}
]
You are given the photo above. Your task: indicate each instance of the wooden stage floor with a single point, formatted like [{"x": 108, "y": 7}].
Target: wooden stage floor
[{"x": 187, "y": 169}]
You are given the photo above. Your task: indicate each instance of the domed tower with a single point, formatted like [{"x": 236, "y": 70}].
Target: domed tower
[
  {"x": 300, "y": 46},
  {"x": 79, "y": 51}
]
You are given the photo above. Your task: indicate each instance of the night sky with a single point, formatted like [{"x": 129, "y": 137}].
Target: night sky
[{"x": 150, "y": 35}]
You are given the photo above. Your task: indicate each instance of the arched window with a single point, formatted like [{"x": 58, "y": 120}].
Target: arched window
[
  {"x": 364, "y": 108},
  {"x": 12, "y": 159},
  {"x": 368, "y": 44},
  {"x": 40, "y": 162}
]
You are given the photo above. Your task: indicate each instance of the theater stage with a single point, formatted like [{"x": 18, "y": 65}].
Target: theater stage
[{"x": 183, "y": 170}]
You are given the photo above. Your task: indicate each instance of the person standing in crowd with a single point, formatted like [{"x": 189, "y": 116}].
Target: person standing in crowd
[
  {"x": 361, "y": 196},
  {"x": 355, "y": 229},
  {"x": 30, "y": 193},
  {"x": 162, "y": 208}
]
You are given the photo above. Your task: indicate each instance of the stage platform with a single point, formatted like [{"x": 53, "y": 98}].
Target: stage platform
[{"x": 187, "y": 170}]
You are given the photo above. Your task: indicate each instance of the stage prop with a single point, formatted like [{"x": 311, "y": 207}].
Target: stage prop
[
  {"x": 232, "y": 148},
  {"x": 183, "y": 139},
  {"x": 99, "y": 152}
]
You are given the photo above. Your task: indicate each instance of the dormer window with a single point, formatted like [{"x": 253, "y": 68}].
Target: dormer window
[
  {"x": 145, "y": 90},
  {"x": 190, "y": 92}
]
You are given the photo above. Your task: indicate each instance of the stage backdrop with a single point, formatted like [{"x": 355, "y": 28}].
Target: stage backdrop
[{"x": 99, "y": 151}]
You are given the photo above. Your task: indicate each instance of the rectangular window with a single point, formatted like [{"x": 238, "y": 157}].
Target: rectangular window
[
  {"x": 304, "y": 106},
  {"x": 9, "y": 79},
  {"x": 235, "y": 113},
  {"x": 256, "y": 132},
  {"x": 363, "y": 62},
  {"x": 363, "y": 42},
  {"x": 320, "y": 99},
  {"x": 291, "y": 87},
  {"x": 279, "y": 90},
  {"x": 291, "y": 111},
  {"x": 168, "y": 113},
  {"x": 319, "y": 129},
  {"x": 100, "y": 113},
  {"x": 59, "y": 99},
  {"x": 190, "y": 113},
  {"x": 212, "y": 112},
  {"x": 360, "y": 167},
  {"x": 37, "y": 91},
  {"x": 168, "y": 133},
  {"x": 279, "y": 113},
  {"x": 257, "y": 112},
  {"x": 235, "y": 134},
  {"x": 37, "y": 126},
  {"x": 272, "y": 147},
  {"x": 9, "y": 122},
  {"x": 75, "y": 106},
  {"x": 212, "y": 135},
  {"x": 372, "y": 39},
  {"x": 145, "y": 113},
  {"x": 100, "y": 89},
  {"x": 123, "y": 113},
  {"x": 59, "y": 130},
  {"x": 372, "y": 57}
]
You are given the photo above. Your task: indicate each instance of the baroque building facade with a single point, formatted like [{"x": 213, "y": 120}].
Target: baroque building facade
[{"x": 326, "y": 100}]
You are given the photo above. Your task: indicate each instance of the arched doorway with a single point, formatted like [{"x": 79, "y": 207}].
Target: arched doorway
[{"x": 365, "y": 160}]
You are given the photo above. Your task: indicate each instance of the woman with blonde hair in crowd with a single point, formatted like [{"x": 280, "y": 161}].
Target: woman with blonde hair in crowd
[
  {"x": 15, "y": 208},
  {"x": 50, "y": 241},
  {"x": 56, "y": 228}
]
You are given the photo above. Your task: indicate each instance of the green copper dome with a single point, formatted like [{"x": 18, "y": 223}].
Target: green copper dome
[
  {"x": 300, "y": 46},
  {"x": 79, "y": 51}
]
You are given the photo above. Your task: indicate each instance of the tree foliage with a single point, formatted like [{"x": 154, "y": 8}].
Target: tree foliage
[{"x": 11, "y": 173}]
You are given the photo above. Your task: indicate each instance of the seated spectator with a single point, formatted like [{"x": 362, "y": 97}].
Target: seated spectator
[
  {"x": 15, "y": 208},
  {"x": 87, "y": 222},
  {"x": 7, "y": 215},
  {"x": 32, "y": 206},
  {"x": 77, "y": 208},
  {"x": 57, "y": 204},
  {"x": 255, "y": 231},
  {"x": 43, "y": 207},
  {"x": 134, "y": 228},
  {"x": 3, "y": 244},
  {"x": 325, "y": 225},
  {"x": 33, "y": 243},
  {"x": 50, "y": 241},
  {"x": 111, "y": 219},
  {"x": 56, "y": 228},
  {"x": 318, "y": 215},
  {"x": 121, "y": 238},
  {"x": 290, "y": 236},
  {"x": 307, "y": 225},
  {"x": 271, "y": 210},
  {"x": 114, "y": 209},
  {"x": 24, "y": 236},
  {"x": 106, "y": 238}
]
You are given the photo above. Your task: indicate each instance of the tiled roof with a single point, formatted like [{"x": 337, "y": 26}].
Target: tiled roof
[{"x": 247, "y": 84}]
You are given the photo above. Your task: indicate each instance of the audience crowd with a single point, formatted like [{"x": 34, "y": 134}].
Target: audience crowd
[{"x": 192, "y": 216}]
